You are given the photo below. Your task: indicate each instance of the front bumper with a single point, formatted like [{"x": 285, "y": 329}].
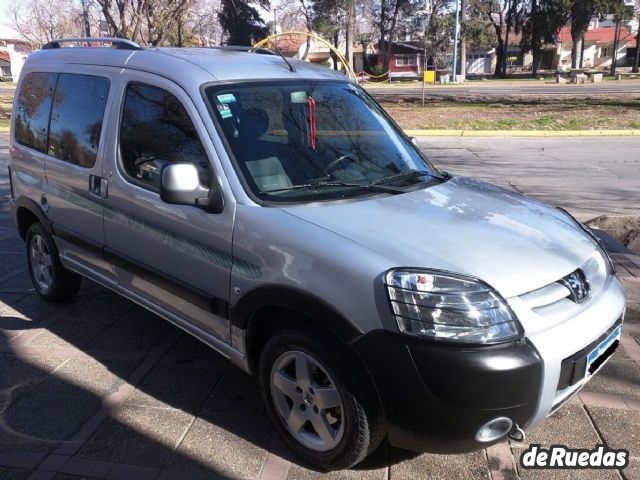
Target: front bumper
[
  {"x": 436, "y": 398},
  {"x": 560, "y": 343}
]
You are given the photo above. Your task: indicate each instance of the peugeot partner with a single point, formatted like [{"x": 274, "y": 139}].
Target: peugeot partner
[{"x": 272, "y": 209}]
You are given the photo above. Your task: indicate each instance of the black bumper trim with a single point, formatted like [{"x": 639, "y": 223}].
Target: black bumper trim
[
  {"x": 435, "y": 398},
  {"x": 574, "y": 366}
]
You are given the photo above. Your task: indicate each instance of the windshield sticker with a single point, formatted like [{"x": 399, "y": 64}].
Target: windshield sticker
[
  {"x": 227, "y": 98},
  {"x": 225, "y": 111},
  {"x": 298, "y": 97}
]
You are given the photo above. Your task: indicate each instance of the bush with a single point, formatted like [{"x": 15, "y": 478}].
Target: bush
[
  {"x": 6, "y": 79},
  {"x": 376, "y": 70}
]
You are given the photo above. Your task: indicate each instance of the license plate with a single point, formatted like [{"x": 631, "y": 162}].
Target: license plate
[{"x": 602, "y": 352}]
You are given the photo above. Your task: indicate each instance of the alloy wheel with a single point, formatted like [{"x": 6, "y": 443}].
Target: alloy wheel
[
  {"x": 41, "y": 263},
  {"x": 307, "y": 401}
]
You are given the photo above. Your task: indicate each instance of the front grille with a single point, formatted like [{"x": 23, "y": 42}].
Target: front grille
[{"x": 557, "y": 301}]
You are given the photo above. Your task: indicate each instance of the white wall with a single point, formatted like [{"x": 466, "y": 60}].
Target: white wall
[{"x": 17, "y": 61}]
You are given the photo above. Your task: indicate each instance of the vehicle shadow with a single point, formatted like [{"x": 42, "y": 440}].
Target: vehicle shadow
[
  {"x": 58, "y": 375},
  {"x": 63, "y": 365},
  {"x": 67, "y": 378}
]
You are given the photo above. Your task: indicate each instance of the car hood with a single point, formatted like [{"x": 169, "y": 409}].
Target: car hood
[{"x": 512, "y": 242}]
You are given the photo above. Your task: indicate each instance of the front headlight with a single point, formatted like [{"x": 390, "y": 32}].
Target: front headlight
[{"x": 445, "y": 306}]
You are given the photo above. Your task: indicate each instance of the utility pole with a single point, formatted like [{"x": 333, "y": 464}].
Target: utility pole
[
  {"x": 463, "y": 43},
  {"x": 85, "y": 18},
  {"x": 349, "y": 33},
  {"x": 455, "y": 42},
  {"x": 275, "y": 21}
]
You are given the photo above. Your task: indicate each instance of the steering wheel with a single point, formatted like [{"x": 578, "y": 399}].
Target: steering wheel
[{"x": 349, "y": 156}]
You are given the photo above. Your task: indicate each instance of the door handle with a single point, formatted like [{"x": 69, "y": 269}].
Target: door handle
[
  {"x": 104, "y": 188},
  {"x": 98, "y": 186}
]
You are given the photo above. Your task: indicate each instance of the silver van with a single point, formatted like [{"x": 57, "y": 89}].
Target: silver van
[{"x": 272, "y": 209}]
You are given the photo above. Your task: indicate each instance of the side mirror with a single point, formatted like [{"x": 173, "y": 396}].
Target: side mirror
[
  {"x": 414, "y": 140},
  {"x": 180, "y": 185}
]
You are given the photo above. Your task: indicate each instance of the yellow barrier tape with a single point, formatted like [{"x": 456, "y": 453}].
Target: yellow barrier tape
[{"x": 347, "y": 66}]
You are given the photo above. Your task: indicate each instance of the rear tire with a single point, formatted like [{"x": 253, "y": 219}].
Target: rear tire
[
  {"x": 320, "y": 399},
  {"x": 50, "y": 279}
]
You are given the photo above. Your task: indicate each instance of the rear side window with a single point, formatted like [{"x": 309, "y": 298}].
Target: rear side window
[
  {"x": 156, "y": 130},
  {"x": 76, "y": 118},
  {"x": 32, "y": 109}
]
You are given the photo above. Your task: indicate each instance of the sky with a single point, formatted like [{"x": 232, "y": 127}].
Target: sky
[
  {"x": 5, "y": 30},
  {"x": 4, "y": 6}
]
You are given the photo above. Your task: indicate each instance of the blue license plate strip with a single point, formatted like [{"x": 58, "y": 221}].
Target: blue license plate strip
[{"x": 603, "y": 347}]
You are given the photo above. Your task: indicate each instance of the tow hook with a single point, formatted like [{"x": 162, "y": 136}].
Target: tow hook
[{"x": 517, "y": 434}]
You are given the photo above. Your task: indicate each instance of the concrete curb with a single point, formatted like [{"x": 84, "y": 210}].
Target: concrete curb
[{"x": 523, "y": 133}]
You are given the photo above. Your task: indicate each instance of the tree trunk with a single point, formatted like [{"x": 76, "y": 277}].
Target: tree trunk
[
  {"x": 348, "y": 50},
  {"x": 383, "y": 34},
  {"x": 394, "y": 20},
  {"x": 506, "y": 38},
  {"x": 505, "y": 56},
  {"x": 307, "y": 48},
  {"x": 636, "y": 61},
  {"x": 576, "y": 48},
  {"x": 616, "y": 41},
  {"x": 499, "y": 72},
  {"x": 463, "y": 44},
  {"x": 535, "y": 39}
]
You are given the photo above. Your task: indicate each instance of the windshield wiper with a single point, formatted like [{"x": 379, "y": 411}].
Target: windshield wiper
[
  {"x": 409, "y": 175},
  {"x": 362, "y": 186}
]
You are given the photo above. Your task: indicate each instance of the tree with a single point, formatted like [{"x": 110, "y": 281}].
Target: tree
[
  {"x": 329, "y": 19},
  {"x": 202, "y": 20},
  {"x": 390, "y": 13},
  {"x": 542, "y": 22},
  {"x": 463, "y": 38},
  {"x": 437, "y": 42},
  {"x": 40, "y": 21},
  {"x": 620, "y": 12},
  {"x": 504, "y": 16},
  {"x": 146, "y": 21},
  {"x": 242, "y": 23},
  {"x": 581, "y": 13}
]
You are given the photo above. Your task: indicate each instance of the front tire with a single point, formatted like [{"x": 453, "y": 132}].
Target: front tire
[
  {"x": 50, "y": 279},
  {"x": 318, "y": 397}
]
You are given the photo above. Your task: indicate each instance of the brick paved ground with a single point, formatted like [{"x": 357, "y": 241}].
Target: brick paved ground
[{"x": 100, "y": 388}]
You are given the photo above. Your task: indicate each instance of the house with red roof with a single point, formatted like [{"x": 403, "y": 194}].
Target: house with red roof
[
  {"x": 597, "y": 53},
  {"x": 598, "y": 47},
  {"x": 5, "y": 64}
]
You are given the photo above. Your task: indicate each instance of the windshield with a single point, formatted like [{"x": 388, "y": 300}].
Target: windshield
[{"x": 311, "y": 140}]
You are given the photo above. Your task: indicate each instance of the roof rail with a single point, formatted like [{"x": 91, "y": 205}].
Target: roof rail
[
  {"x": 119, "y": 43},
  {"x": 242, "y": 48}
]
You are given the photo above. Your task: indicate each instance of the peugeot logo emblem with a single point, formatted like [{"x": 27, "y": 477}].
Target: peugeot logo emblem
[{"x": 578, "y": 285}]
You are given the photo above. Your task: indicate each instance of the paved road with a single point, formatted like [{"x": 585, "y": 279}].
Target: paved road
[
  {"x": 589, "y": 176},
  {"x": 101, "y": 389},
  {"x": 520, "y": 89}
]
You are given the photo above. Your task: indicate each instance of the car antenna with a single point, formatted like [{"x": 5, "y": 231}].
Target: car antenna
[{"x": 279, "y": 52}]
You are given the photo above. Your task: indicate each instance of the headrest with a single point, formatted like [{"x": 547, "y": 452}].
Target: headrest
[{"x": 254, "y": 122}]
